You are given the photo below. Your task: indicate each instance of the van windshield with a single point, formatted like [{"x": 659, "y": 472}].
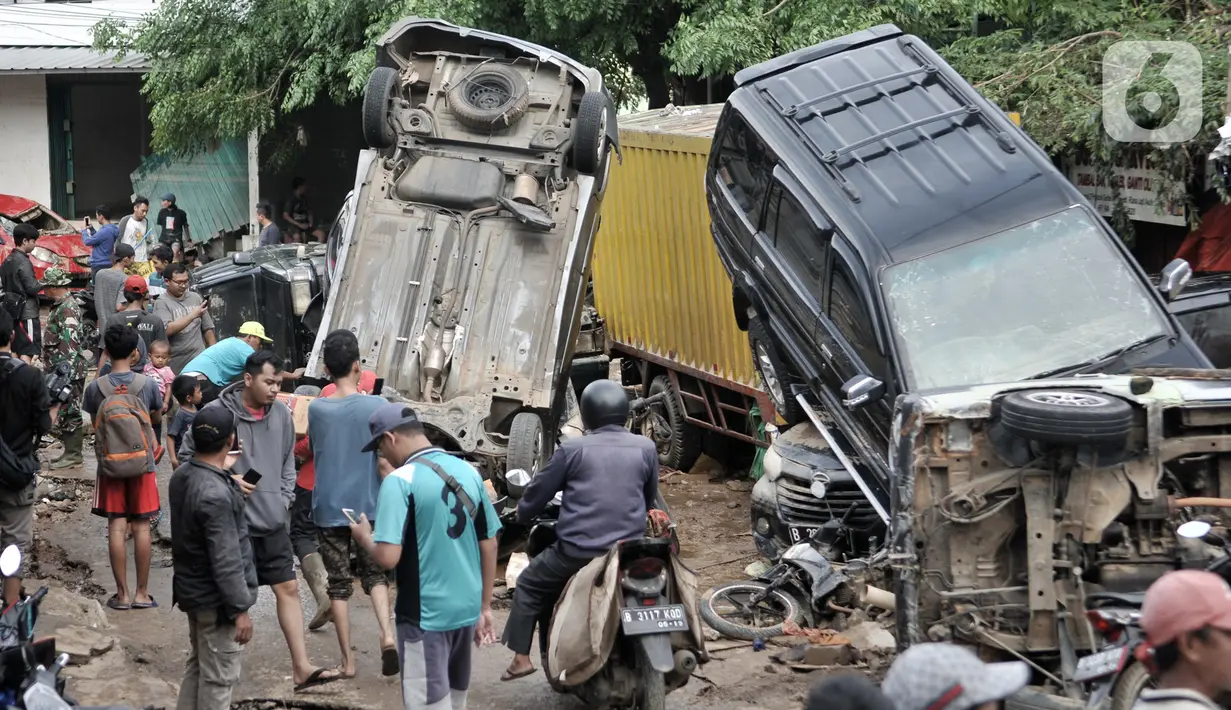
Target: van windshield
[{"x": 1014, "y": 305}]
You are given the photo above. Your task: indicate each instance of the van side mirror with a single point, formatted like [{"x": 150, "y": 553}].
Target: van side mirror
[
  {"x": 861, "y": 390},
  {"x": 1174, "y": 278}
]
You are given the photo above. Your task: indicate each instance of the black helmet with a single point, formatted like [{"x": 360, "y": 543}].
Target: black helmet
[{"x": 603, "y": 402}]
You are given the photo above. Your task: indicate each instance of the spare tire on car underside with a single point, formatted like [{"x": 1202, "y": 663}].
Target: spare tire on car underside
[
  {"x": 490, "y": 98},
  {"x": 1074, "y": 417}
]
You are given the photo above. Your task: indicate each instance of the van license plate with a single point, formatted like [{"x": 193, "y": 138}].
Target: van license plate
[
  {"x": 653, "y": 620},
  {"x": 1098, "y": 665},
  {"x": 799, "y": 533}
]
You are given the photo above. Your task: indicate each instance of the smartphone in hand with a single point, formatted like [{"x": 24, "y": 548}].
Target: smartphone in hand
[
  {"x": 350, "y": 515},
  {"x": 252, "y": 477}
]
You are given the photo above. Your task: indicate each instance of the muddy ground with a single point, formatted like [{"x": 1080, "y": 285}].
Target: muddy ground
[{"x": 150, "y": 646}]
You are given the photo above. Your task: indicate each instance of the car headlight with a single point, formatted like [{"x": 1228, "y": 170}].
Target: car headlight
[
  {"x": 45, "y": 255},
  {"x": 301, "y": 289},
  {"x": 772, "y": 464}
]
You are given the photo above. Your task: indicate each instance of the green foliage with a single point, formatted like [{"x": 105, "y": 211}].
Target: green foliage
[{"x": 223, "y": 68}]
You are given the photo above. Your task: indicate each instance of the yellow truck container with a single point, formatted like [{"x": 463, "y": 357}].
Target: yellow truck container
[{"x": 662, "y": 291}]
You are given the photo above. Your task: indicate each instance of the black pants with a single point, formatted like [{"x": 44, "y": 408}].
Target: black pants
[
  {"x": 538, "y": 589},
  {"x": 303, "y": 530},
  {"x": 209, "y": 390},
  {"x": 34, "y": 330}
]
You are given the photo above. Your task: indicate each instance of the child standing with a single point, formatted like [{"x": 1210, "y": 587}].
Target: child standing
[
  {"x": 158, "y": 369},
  {"x": 187, "y": 392}
]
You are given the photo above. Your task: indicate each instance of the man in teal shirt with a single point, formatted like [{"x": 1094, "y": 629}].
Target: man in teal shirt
[
  {"x": 223, "y": 361},
  {"x": 436, "y": 505}
]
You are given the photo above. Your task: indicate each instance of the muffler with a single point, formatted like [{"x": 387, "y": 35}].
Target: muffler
[
  {"x": 685, "y": 662},
  {"x": 525, "y": 189}
]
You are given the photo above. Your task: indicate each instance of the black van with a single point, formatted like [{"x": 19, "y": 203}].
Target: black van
[{"x": 888, "y": 230}]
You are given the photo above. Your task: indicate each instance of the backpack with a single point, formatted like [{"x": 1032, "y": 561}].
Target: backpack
[
  {"x": 16, "y": 472},
  {"x": 123, "y": 434}
]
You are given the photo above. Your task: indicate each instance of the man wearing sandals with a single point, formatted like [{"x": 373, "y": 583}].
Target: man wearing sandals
[{"x": 346, "y": 480}]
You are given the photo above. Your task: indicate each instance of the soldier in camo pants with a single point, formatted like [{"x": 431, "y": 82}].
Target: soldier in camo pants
[{"x": 63, "y": 341}]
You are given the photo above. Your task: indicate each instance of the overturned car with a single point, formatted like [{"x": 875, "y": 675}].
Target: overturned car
[{"x": 464, "y": 256}]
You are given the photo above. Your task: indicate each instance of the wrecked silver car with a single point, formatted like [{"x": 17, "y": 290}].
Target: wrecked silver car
[
  {"x": 463, "y": 261},
  {"x": 1016, "y": 508}
]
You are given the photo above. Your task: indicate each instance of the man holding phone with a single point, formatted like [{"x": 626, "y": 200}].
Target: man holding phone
[
  {"x": 215, "y": 579},
  {"x": 266, "y": 441},
  {"x": 186, "y": 315},
  {"x": 346, "y": 487}
]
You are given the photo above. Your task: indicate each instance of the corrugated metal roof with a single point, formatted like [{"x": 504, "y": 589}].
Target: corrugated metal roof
[
  {"x": 211, "y": 187},
  {"x": 678, "y": 120},
  {"x": 74, "y": 60}
]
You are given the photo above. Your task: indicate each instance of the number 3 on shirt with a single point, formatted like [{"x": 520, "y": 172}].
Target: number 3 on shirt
[{"x": 457, "y": 514}]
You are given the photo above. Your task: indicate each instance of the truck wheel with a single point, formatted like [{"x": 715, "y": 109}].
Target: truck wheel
[
  {"x": 377, "y": 126},
  {"x": 1067, "y": 417},
  {"x": 776, "y": 375},
  {"x": 678, "y": 441},
  {"x": 525, "y": 443},
  {"x": 590, "y": 133},
  {"x": 490, "y": 98}
]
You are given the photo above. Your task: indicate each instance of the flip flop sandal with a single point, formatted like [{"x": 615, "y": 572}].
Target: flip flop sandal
[
  {"x": 115, "y": 603},
  {"x": 389, "y": 661},
  {"x": 152, "y": 604},
  {"x": 316, "y": 680},
  {"x": 507, "y": 676}
]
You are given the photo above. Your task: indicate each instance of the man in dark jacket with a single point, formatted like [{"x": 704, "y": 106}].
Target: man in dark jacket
[
  {"x": 215, "y": 579},
  {"x": 18, "y": 282},
  {"x": 608, "y": 480}
]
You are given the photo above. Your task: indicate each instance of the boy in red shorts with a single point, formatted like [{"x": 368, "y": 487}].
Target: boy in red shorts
[{"x": 126, "y": 500}]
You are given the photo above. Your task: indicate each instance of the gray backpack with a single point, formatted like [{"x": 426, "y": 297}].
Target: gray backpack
[{"x": 123, "y": 435}]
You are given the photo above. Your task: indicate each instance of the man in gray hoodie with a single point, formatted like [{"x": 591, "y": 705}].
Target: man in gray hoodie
[{"x": 266, "y": 434}]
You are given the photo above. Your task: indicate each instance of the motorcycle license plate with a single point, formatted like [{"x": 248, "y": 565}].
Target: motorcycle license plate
[
  {"x": 1098, "y": 665},
  {"x": 653, "y": 619}
]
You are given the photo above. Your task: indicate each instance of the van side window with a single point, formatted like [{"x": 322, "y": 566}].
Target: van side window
[
  {"x": 852, "y": 317},
  {"x": 803, "y": 244},
  {"x": 743, "y": 167}
]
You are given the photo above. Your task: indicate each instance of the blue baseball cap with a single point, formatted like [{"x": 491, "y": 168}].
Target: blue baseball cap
[
  {"x": 169, "y": 197},
  {"x": 386, "y": 419}
]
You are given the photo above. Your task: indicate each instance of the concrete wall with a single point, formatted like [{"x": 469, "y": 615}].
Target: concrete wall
[{"x": 25, "y": 152}]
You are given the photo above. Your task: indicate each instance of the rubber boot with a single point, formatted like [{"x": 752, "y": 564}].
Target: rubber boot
[
  {"x": 71, "y": 458},
  {"x": 318, "y": 581}
]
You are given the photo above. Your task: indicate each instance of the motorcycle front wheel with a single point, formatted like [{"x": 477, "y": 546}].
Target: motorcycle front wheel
[{"x": 730, "y": 610}]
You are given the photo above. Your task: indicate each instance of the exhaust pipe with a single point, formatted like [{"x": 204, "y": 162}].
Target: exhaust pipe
[
  {"x": 685, "y": 662},
  {"x": 874, "y": 596},
  {"x": 525, "y": 189}
]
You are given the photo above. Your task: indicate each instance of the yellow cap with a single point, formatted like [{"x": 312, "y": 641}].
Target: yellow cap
[{"x": 254, "y": 328}]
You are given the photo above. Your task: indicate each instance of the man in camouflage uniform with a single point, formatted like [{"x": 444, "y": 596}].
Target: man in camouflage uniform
[{"x": 63, "y": 342}]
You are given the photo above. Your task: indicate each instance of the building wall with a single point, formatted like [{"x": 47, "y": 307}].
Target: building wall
[{"x": 25, "y": 152}]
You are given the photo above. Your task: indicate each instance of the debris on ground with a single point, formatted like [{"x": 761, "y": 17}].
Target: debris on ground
[{"x": 517, "y": 563}]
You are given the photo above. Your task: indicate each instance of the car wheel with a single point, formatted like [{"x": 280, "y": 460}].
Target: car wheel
[
  {"x": 525, "y": 443},
  {"x": 776, "y": 375},
  {"x": 377, "y": 119},
  {"x": 490, "y": 98},
  {"x": 590, "y": 134},
  {"x": 665, "y": 423},
  {"x": 1072, "y": 417}
]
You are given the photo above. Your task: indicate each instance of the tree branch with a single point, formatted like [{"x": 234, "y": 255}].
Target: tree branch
[{"x": 775, "y": 8}]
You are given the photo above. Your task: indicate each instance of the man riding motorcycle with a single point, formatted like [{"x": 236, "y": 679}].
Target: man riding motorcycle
[{"x": 609, "y": 480}]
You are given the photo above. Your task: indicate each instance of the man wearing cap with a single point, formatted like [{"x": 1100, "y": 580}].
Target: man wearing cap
[
  {"x": 172, "y": 225},
  {"x": 62, "y": 343},
  {"x": 219, "y": 364},
  {"x": 186, "y": 315},
  {"x": 1186, "y": 617},
  {"x": 942, "y": 676},
  {"x": 437, "y": 528},
  {"x": 266, "y": 440},
  {"x": 215, "y": 578},
  {"x": 135, "y": 314}
]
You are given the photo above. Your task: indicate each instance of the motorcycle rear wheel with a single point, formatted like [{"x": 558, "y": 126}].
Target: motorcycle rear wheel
[
  {"x": 653, "y": 684},
  {"x": 763, "y": 621},
  {"x": 1129, "y": 685}
]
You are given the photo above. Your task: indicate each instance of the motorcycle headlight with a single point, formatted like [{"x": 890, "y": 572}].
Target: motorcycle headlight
[
  {"x": 45, "y": 255},
  {"x": 301, "y": 289}
]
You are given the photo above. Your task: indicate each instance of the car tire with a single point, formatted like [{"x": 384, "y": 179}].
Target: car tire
[
  {"x": 682, "y": 446},
  {"x": 1073, "y": 417},
  {"x": 490, "y": 98},
  {"x": 377, "y": 116},
  {"x": 590, "y": 134},
  {"x": 776, "y": 374},
  {"x": 526, "y": 444}
]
